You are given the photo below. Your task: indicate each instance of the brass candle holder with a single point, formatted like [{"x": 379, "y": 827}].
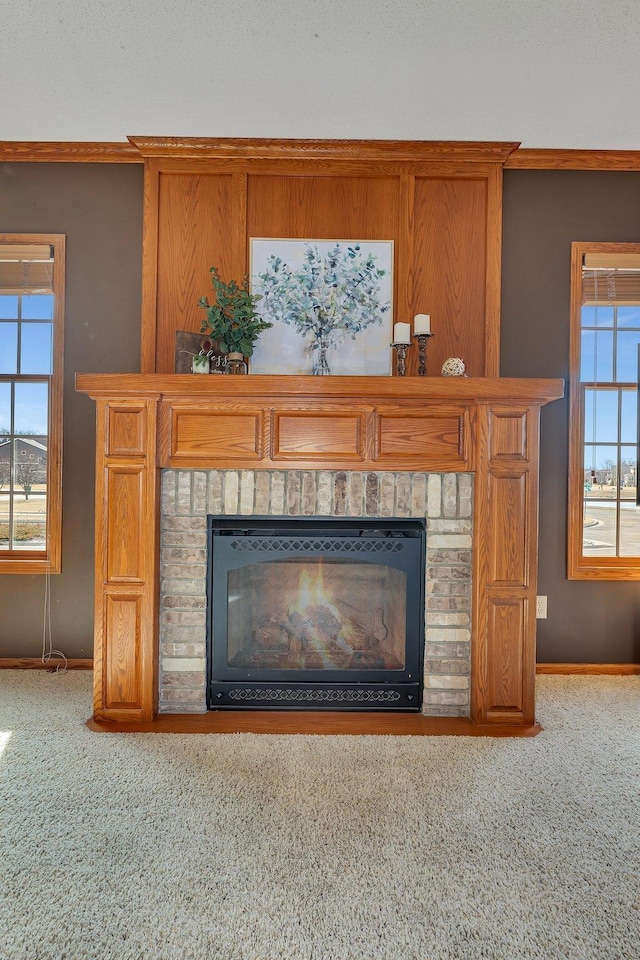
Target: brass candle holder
[
  {"x": 401, "y": 357},
  {"x": 422, "y": 352}
]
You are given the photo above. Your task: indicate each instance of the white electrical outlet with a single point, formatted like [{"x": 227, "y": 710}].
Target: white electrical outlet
[{"x": 541, "y": 608}]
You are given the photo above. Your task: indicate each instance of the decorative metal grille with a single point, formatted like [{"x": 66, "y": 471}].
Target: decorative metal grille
[
  {"x": 339, "y": 545},
  {"x": 350, "y": 696}
]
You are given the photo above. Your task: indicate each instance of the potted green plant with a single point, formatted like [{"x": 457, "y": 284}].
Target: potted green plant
[{"x": 232, "y": 319}]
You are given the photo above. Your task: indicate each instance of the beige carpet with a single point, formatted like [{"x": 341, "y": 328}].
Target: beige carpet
[{"x": 245, "y": 847}]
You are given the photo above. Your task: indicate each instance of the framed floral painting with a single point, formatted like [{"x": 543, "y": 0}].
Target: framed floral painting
[{"x": 330, "y": 303}]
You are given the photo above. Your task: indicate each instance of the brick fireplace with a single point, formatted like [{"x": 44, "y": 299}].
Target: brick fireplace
[
  {"x": 445, "y": 501},
  {"x": 460, "y": 452}
]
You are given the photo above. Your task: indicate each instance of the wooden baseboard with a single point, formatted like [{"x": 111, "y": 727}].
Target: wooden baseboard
[
  {"x": 594, "y": 669},
  {"x": 320, "y": 722},
  {"x": 35, "y": 663}
]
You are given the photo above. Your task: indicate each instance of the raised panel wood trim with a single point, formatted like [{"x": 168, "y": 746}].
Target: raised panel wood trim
[
  {"x": 507, "y": 642},
  {"x": 216, "y": 432},
  {"x": 508, "y": 507},
  {"x": 509, "y": 439},
  {"x": 407, "y": 435},
  {"x": 126, "y": 430},
  {"x": 328, "y": 434},
  {"x": 121, "y": 656},
  {"x": 125, "y": 493}
]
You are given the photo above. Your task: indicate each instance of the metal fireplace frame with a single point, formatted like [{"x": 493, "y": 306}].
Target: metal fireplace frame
[{"x": 397, "y": 542}]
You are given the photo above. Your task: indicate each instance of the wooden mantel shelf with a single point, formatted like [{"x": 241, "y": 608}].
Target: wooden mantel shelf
[
  {"x": 488, "y": 426},
  {"x": 508, "y": 389}
]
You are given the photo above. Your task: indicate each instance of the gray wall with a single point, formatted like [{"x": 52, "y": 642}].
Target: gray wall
[
  {"x": 99, "y": 208},
  {"x": 544, "y": 211}
]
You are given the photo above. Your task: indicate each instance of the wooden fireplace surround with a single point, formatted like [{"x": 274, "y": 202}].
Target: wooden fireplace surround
[{"x": 488, "y": 426}]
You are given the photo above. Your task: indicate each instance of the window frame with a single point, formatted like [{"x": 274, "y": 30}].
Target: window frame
[
  {"x": 50, "y": 559},
  {"x": 580, "y": 567}
]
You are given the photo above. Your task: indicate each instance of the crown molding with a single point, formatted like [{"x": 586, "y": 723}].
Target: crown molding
[
  {"x": 41, "y": 151},
  {"x": 137, "y": 149},
  {"x": 538, "y": 159},
  {"x": 357, "y": 150}
]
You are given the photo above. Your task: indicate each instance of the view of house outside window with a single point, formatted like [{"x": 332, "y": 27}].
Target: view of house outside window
[
  {"x": 30, "y": 387},
  {"x": 607, "y": 398},
  {"x": 610, "y": 351}
]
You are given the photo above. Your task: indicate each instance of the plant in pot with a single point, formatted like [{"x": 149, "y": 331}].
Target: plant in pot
[{"x": 233, "y": 320}]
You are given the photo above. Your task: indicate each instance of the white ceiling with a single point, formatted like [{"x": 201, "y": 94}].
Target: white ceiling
[{"x": 551, "y": 73}]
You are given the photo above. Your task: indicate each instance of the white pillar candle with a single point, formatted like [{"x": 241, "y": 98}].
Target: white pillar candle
[
  {"x": 402, "y": 333},
  {"x": 422, "y": 323}
]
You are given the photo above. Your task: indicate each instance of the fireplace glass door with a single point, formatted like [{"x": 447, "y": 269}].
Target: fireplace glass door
[{"x": 319, "y": 613}]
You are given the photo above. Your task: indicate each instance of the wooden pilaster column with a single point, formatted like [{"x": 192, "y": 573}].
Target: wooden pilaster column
[
  {"x": 127, "y": 552},
  {"x": 505, "y": 563}
]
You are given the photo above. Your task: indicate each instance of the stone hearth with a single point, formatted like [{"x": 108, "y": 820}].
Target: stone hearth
[{"x": 444, "y": 499}]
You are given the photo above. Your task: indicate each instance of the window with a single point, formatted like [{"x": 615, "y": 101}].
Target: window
[
  {"x": 604, "y": 520},
  {"x": 31, "y": 340}
]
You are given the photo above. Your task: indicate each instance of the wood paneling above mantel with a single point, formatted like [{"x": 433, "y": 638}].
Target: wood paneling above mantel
[
  {"x": 439, "y": 202},
  {"x": 488, "y": 426}
]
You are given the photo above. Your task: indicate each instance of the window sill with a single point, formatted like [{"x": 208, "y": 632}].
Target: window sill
[
  {"x": 28, "y": 565},
  {"x": 613, "y": 570}
]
